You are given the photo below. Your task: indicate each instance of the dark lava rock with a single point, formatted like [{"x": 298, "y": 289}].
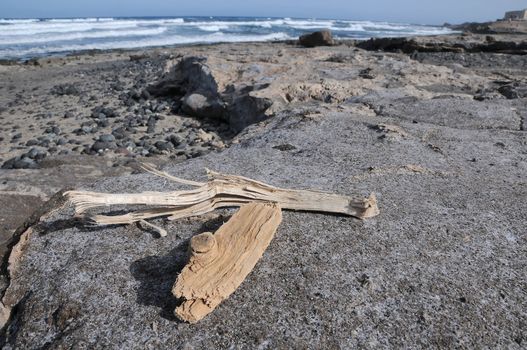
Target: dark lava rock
[
  {"x": 68, "y": 114},
  {"x": 35, "y": 154},
  {"x": 151, "y": 125},
  {"x": 191, "y": 74},
  {"x": 17, "y": 136},
  {"x": 411, "y": 46},
  {"x": 107, "y": 138},
  {"x": 246, "y": 110},
  {"x": 175, "y": 139},
  {"x": 101, "y": 112},
  {"x": 366, "y": 74},
  {"x": 202, "y": 106},
  {"x": 61, "y": 141},
  {"x": 20, "y": 162},
  {"x": 192, "y": 85},
  {"x": 513, "y": 91},
  {"x": 164, "y": 145},
  {"x": 192, "y": 81},
  {"x": 320, "y": 38},
  {"x": 65, "y": 89},
  {"x": 243, "y": 108},
  {"x": 52, "y": 130},
  {"x": 120, "y": 133},
  {"x": 100, "y": 146},
  {"x": 285, "y": 147},
  {"x": 32, "y": 142}
]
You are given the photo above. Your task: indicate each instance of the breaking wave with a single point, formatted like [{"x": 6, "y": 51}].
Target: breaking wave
[{"x": 24, "y": 38}]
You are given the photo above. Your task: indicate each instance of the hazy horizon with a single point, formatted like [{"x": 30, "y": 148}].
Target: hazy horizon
[{"x": 405, "y": 11}]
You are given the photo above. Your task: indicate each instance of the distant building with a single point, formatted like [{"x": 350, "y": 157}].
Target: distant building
[{"x": 516, "y": 15}]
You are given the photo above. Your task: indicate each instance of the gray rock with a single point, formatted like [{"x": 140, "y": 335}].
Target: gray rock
[
  {"x": 246, "y": 109},
  {"x": 456, "y": 113},
  {"x": 513, "y": 91},
  {"x": 151, "y": 125},
  {"x": 193, "y": 83},
  {"x": 120, "y": 133},
  {"x": 175, "y": 139},
  {"x": 65, "y": 89},
  {"x": 320, "y": 38},
  {"x": 99, "y": 146},
  {"x": 164, "y": 146},
  {"x": 437, "y": 257},
  {"x": 202, "y": 106},
  {"x": 36, "y": 154},
  {"x": 61, "y": 141},
  {"x": 25, "y": 163},
  {"x": 191, "y": 74},
  {"x": 107, "y": 138},
  {"x": 20, "y": 163},
  {"x": 32, "y": 142}
]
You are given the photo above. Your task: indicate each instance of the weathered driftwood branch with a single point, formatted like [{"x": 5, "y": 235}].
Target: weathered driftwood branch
[
  {"x": 220, "y": 262},
  {"x": 220, "y": 191}
]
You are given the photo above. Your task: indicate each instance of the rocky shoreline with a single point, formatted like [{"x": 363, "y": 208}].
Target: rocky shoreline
[{"x": 434, "y": 125}]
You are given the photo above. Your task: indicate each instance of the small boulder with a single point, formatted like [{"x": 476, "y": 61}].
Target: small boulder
[
  {"x": 513, "y": 91},
  {"x": 320, "y": 38},
  {"x": 101, "y": 146},
  {"x": 202, "y": 106},
  {"x": 164, "y": 146},
  {"x": 65, "y": 89},
  {"x": 107, "y": 138}
]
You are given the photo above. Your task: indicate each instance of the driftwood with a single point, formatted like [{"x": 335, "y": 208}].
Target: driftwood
[
  {"x": 220, "y": 262},
  {"x": 220, "y": 191}
]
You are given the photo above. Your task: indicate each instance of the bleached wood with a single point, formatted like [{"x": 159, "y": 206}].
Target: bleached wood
[
  {"x": 221, "y": 190},
  {"x": 220, "y": 262}
]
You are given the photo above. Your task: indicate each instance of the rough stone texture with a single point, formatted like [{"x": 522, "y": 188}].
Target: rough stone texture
[
  {"x": 205, "y": 92},
  {"x": 320, "y": 38},
  {"x": 472, "y": 43},
  {"x": 443, "y": 265}
]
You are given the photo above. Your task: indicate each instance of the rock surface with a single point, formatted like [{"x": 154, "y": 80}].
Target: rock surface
[
  {"x": 204, "y": 92},
  {"x": 510, "y": 44},
  {"x": 431, "y": 134},
  {"x": 320, "y": 38}
]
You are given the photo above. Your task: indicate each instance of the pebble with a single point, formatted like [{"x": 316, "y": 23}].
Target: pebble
[
  {"x": 107, "y": 138},
  {"x": 164, "y": 145},
  {"x": 101, "y": 146},
  {"x": 151, "y": 125},
  {"x": 36, "y": 154}
]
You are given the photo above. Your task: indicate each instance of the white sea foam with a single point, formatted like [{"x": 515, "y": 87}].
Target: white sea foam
[
  {"x": 80, "y": 35},
  {"x": 213, "y": 28},
  {"x": 131, "y": 44},
  {"x": 14, "y": 21},
  {"x": 43, "y": 27},
  {"x": 26, "y": 37},
  {"x": 74, "y": 20}
]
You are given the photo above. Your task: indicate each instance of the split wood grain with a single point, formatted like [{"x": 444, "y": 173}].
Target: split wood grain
[
  {"x": 221, "y": 190},
  {"x": 220, "y": 262}
]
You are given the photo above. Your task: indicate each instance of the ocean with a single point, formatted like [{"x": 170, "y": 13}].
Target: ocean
[{"x": 27, "y": 38}]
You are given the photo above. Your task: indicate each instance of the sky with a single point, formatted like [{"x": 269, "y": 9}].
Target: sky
[{"x": 406, "y": 11}]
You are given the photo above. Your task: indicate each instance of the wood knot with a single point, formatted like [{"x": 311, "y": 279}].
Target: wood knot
[{"x": 202, "y": 243}]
